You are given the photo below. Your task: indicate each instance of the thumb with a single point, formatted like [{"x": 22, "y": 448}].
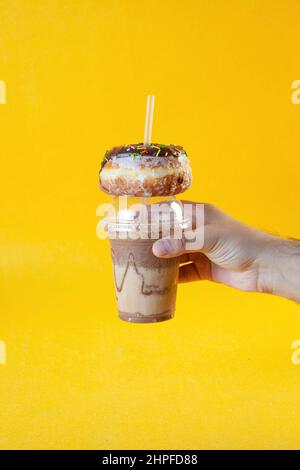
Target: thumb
[
  {"x": 202, "y": 240},
  {"x": 168, "y": 247}
]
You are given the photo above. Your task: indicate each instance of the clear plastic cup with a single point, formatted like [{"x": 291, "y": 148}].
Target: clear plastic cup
[{"x": 145, "y": 285}]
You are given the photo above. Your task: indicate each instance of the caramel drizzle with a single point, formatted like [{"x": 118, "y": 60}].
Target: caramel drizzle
[{"x": 146, "y": 289}]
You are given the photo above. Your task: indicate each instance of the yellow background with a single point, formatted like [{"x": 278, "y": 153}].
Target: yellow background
[{"x": 77, "y": 73}]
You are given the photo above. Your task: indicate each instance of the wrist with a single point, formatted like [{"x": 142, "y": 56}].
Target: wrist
[
  {"x": 266, "y": 266},
  {"x": 279, "y": 268}
]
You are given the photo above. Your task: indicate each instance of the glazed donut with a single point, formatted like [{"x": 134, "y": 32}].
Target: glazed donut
[{"x": 145, "y": 170}]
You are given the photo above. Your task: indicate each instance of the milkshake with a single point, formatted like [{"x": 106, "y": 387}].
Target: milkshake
[{"x": 145, "y": 285}]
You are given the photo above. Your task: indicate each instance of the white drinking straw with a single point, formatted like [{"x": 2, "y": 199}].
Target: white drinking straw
[{"x": 149, "y": 119}]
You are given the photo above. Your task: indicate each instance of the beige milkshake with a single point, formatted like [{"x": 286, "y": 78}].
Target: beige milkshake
[{"x": 145, "y": 285}]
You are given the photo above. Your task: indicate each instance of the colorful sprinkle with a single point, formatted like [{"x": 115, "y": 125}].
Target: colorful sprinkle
[{"x": 142, "y": 150}]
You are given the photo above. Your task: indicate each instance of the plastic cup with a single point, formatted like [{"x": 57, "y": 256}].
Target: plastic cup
[{"x": 145, "y": 285}]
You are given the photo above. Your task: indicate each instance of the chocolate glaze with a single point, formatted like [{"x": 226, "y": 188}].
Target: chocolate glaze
[{"x": 143, "y": 150}]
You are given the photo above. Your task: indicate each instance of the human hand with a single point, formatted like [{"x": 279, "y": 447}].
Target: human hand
[{"x": 236, "y": 255}]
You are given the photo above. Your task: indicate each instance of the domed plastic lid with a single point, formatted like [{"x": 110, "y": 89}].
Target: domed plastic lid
[{"x": 147, "y": 218}]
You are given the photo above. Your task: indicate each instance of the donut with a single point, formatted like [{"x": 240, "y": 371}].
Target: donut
[{"x": 145, "y": 170}]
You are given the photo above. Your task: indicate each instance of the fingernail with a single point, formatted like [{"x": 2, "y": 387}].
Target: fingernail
[{"x": 162, "y": 247}]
